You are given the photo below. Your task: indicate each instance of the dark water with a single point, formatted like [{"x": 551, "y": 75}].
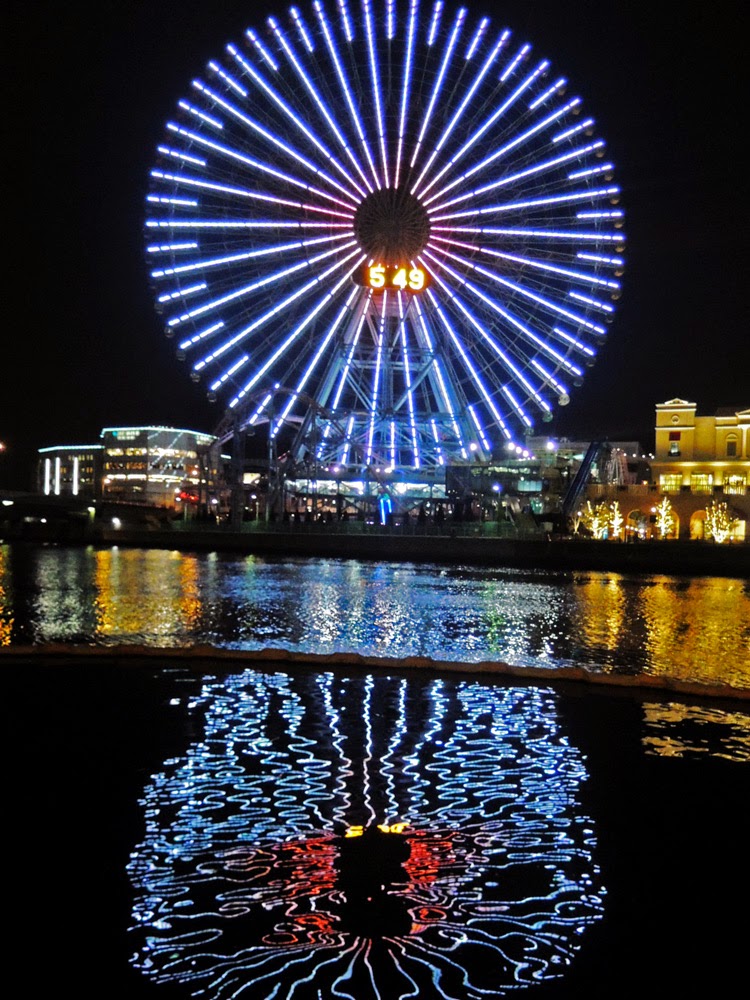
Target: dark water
[{"x": 182, "y": 828}]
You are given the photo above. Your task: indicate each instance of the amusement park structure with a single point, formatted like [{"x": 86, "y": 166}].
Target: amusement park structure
[{"x": 386, "y": 234}]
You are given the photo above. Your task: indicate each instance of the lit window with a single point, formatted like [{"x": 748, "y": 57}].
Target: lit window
[
  {"x": 670, "y": 482},
  {"x": 701, "y": 482},
  {"x": 735, "y": 484}
]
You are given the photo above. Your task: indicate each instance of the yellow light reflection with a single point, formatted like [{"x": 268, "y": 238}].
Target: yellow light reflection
[
  {"x": 6, "y": 597},
  {"x": 698, "y": 630},
  {"x": 604, "y": 618},
  {"x": 677, "y": 730},
  {"x": 146, "y": 592},
  {"x": 358, "y": 831}
]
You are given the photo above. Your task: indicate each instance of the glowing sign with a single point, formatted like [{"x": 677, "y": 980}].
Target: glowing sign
[{"x": 400, "y": 278}]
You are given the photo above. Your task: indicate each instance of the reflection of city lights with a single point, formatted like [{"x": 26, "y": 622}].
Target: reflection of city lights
[
  {"x": 6, "y": 597},
  {"x": 176, "y": 599},
  {"x": 273, "y": 838},
  {"x": 679, "y": 730},
  {"x": 358, "y": 831}
]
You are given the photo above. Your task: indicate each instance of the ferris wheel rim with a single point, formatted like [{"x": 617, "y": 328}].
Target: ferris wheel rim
[{"x": 501, "y": 248}]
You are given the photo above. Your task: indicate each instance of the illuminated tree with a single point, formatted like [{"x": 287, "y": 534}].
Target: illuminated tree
[
  {"x": 719, "y": 522},
  {"x": 595, "y": 519},
  {"x": 615, "y": 518},
  {"x": 664, "y": 517}
]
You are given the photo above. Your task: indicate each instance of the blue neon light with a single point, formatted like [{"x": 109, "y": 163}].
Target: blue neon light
[{"x": 258, "y": 215}]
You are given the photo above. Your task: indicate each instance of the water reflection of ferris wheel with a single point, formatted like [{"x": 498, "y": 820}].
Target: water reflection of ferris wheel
[
  {"x": 365, "y": 837},
  {"x": 397, "y": 212}
]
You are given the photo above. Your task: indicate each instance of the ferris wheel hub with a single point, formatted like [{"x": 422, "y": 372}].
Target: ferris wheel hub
[{"x": 391, "y": 225}]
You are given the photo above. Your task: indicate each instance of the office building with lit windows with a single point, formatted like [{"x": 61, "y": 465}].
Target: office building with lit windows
[
  {"x": 71, "y": 470},
  {"x": 158, "y": 466},
  {"x": 155, "y": 466}
]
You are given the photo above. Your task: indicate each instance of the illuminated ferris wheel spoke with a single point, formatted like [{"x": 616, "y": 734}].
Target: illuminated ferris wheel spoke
[
  {"x": 286, "y": 344},
  {"x": 481, "y": 28},
  {"x": 316, "y": 359},
  {"x": 376, "y": 95},
  {"x": 273, "y": 250},
  {"x": 480, "y": 428},
  {"x": 228, "y": 227},
  {"x": 261, "y": 49},
  {"x": 458, "y": 114},
  {"x": 243, "y": 334},
  {"x": 492, "y": 343},
  {"x": 549, "y": 378},
  {"x": 293, "y": 117},
  {"x": 569, "y": 198},
  {"x": 509, "y": 180},
  {"x": 566, "y": 235},
  {"x": 195, "y": 184},
  {"x": 532, "y": 297},
  {"x": 387, "y": 209},
  {"x": 246, "y": 290},
  {"x": 407, "y": 378},
  {"x": 558, "y": 87},
  {"x": 523, "y": 328},
  {"x": 272, "y": 172},
  {"x": 514, "y": 144},
  {"x": 319, "y": 102},
  {"x": 437, "y": 366},
  {"x": 406, "y": 87},
  {"x": 496, "y": 115},
  {"x": 587, "y": 278},
  {"x": 470, "y": 367},
  {"x": 347, "y": 90},
  {"x": 436, "y": 90}
]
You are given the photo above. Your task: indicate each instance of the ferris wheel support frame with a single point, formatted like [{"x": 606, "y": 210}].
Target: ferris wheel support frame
[{"x": 399, "y": 220}]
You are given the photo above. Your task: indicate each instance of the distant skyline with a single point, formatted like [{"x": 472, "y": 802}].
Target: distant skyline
[{"x": 92, "y": 86}]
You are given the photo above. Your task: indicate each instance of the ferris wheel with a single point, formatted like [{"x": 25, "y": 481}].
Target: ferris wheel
[{"x": 386, "y": 230}]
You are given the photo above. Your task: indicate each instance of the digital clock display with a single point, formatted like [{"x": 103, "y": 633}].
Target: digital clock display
[{"x": 401, "y": 278}]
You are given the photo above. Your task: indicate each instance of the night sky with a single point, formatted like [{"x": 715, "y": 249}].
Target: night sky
[{"x": 92, "y": 85}]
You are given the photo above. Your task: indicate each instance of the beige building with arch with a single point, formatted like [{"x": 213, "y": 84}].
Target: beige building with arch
[{"x": 698, "y": 461}]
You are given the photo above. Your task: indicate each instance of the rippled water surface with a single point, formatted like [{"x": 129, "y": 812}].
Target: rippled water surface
[
  {"x": 688, "y": 628},
  {"x": 361, "y": 838},
  {"x": 197, "y": 829}
]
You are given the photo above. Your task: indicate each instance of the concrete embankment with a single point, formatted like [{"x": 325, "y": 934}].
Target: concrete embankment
[{"x": 211, "y": 658}]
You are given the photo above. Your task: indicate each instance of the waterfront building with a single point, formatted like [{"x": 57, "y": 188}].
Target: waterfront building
[
  {"x": 701, "y": 454},
  {"x": 156, "y": 466},
  {"x": 70, "y": 471},
  {"x": 699, "y": 464},
  {"x": 159, "y": 466}
]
